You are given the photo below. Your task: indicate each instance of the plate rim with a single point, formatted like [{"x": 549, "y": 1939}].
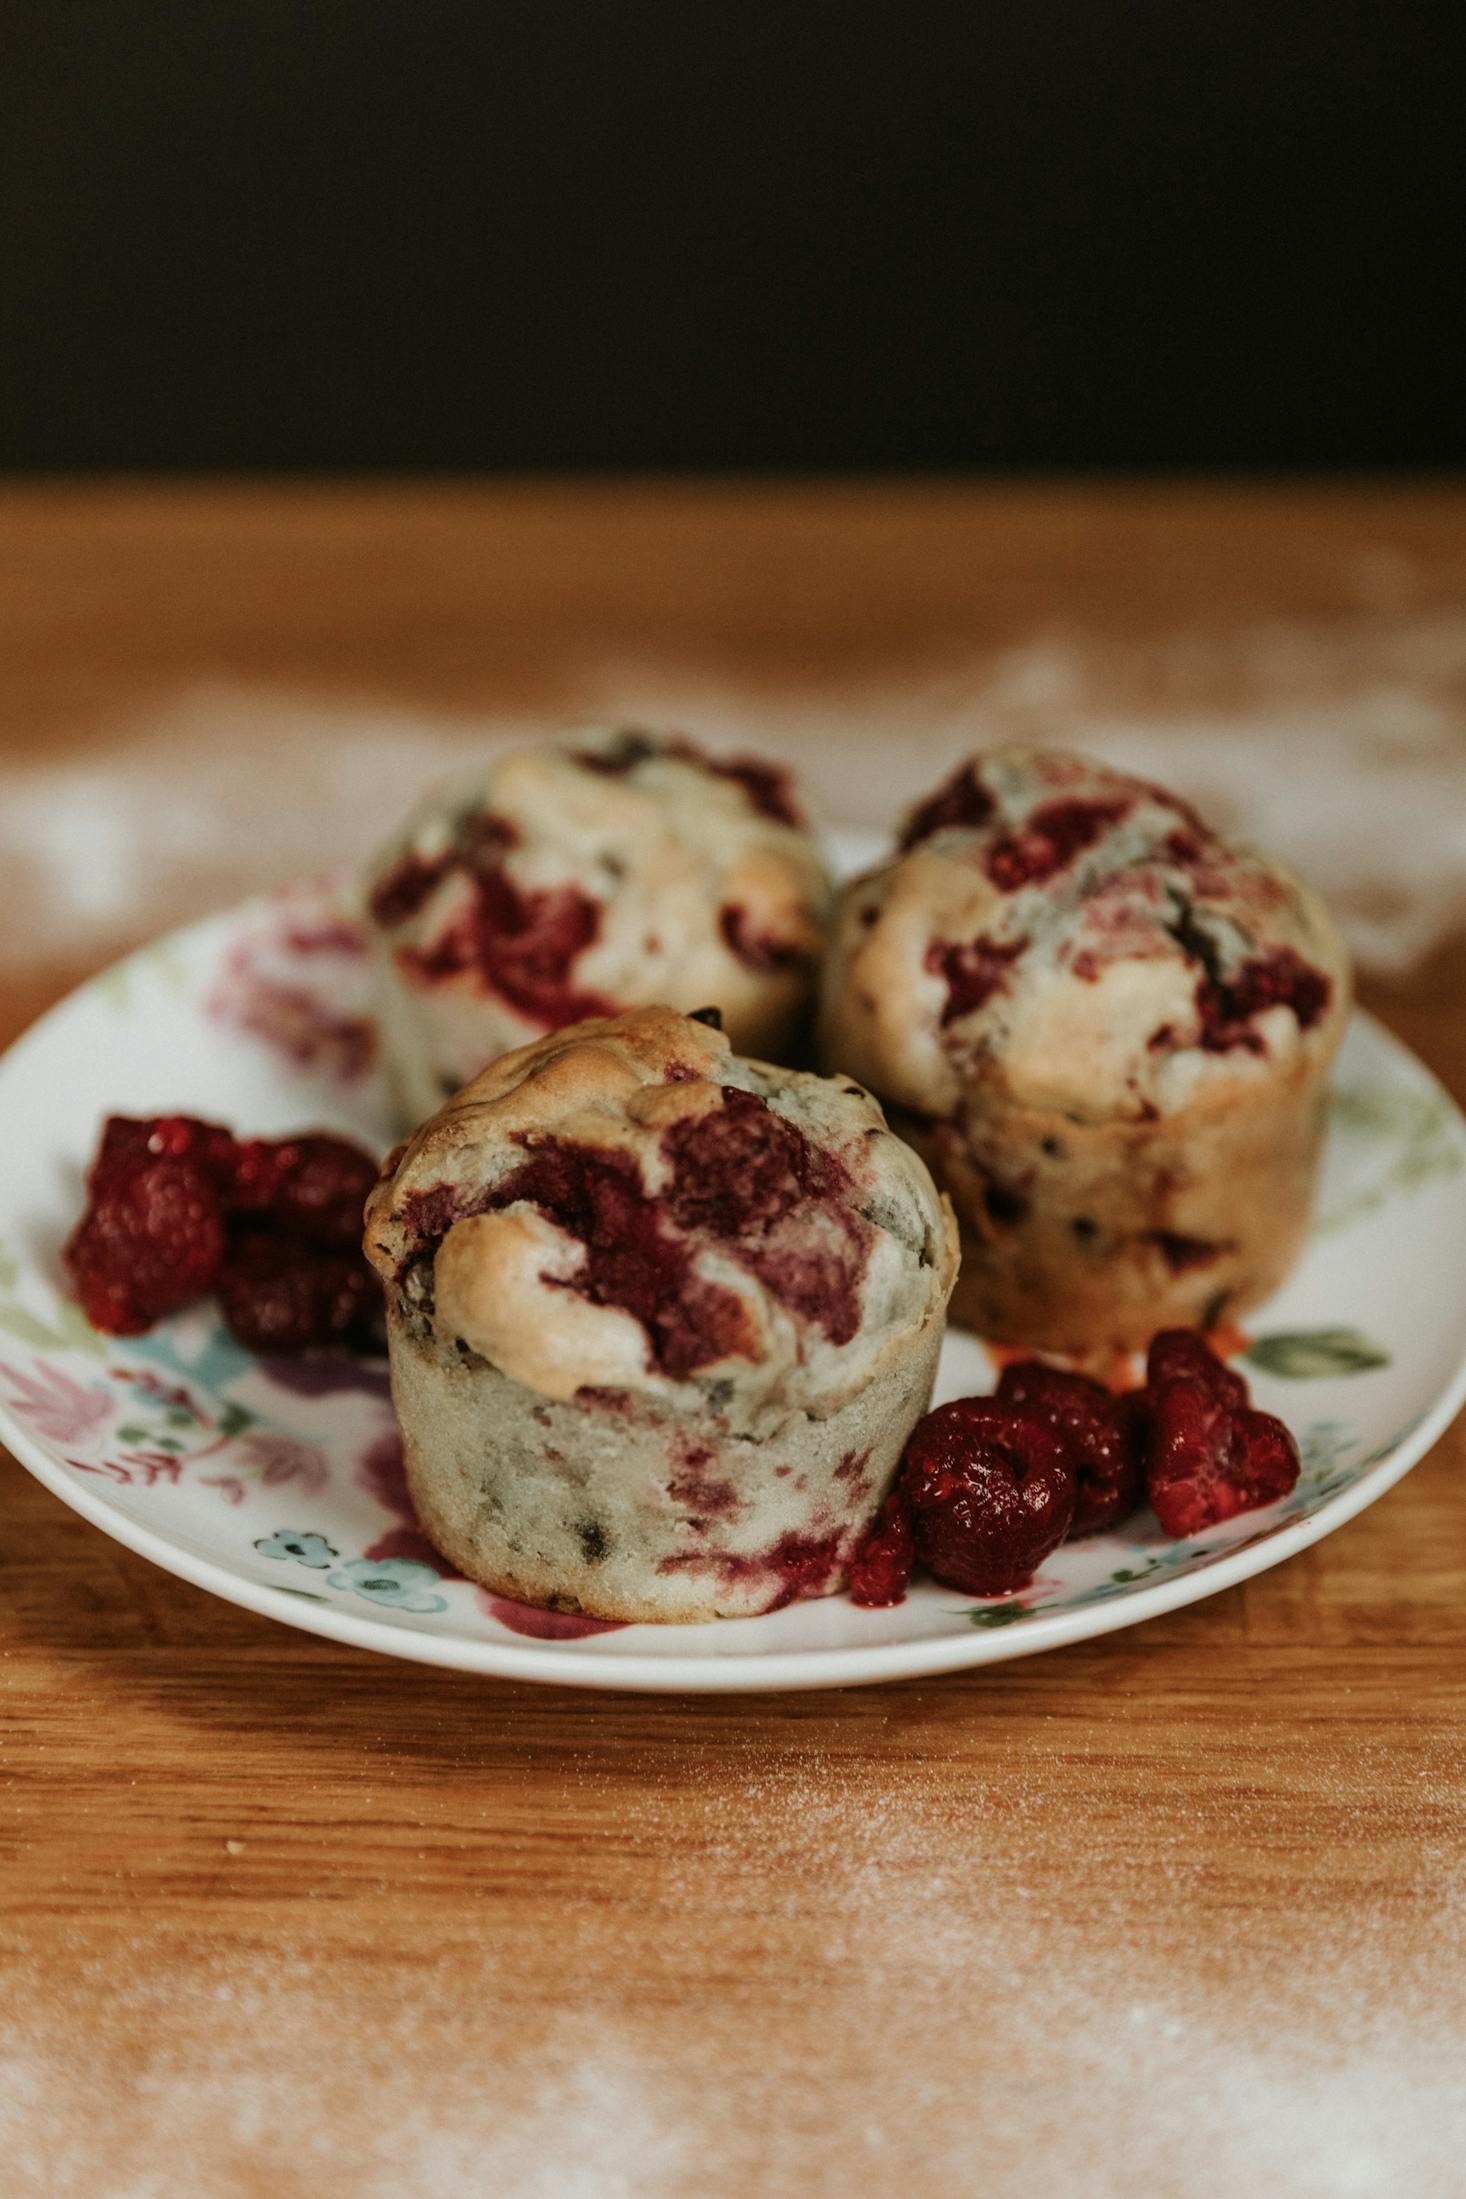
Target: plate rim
[{"x": 771, "y": 1671}]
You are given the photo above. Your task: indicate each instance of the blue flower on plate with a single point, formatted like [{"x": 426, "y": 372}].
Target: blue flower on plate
[
  {"x": 401, "y": 1584},
  {"x": 306, "y": 1549}
]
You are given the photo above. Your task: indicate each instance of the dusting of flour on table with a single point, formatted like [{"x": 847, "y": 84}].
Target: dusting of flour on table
[
  {"x": 1341, "y": 747},
  {"x": 813, "y": 1967},
  {"x": 847, "y": 1976}
]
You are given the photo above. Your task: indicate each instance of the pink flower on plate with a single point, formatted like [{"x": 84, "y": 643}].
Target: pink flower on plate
[
  {"x": 302, "y": 1028},
  {"x": 59, "y": 1409},
  {"x": 326, "y": 935},
  {"x": 259, "y": 991},
  {"x": 154, "y": 1466},
  {"x": 281, "y": 1458},
  {"x": 109, "y": 1469}
]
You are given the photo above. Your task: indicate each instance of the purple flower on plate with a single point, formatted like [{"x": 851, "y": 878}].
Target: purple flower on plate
[{"x": 281, "y": 1458}]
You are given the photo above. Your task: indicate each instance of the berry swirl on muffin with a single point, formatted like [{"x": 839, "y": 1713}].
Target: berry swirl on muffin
[
  {"x": 609, "y": 869},
  {"x": 661, "y": 1320},
  {"x": 1108, "y": 1031}
]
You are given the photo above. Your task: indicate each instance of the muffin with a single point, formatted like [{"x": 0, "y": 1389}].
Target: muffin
[
  {"x": 1110, "y": 1035},
  {"x": 660, "y": 1321},
  {"x": 609, "y": 869}
]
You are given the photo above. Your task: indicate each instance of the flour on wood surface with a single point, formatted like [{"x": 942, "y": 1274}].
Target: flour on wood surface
[
  {"x": 1341, "y": 746},
  {"x": 802, "y": 1969}
]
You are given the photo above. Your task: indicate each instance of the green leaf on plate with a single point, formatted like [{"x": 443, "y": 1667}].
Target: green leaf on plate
[
  {"x": 1396, "y": 1141},
  {"x": 167, "y": 961},
  {"x": 18, "y": 1321},
  {"x": 1306, "y": 1355},
  {"x": 233, "y": 1418},
  {"x": 996, "y": 1614},
  {"x": 77, "y": 1330},
  {"x": 112, "y": 985}
]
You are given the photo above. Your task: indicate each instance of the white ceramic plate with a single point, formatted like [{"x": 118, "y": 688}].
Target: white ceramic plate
[{"x": 278, "y": 1485}]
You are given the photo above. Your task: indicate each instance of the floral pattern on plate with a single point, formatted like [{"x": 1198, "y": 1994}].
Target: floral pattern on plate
[{"x": 280, "y": 1482}]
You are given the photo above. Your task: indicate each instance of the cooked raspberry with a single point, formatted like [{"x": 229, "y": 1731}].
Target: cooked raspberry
[
  {"x": 769, "y": 787},
  {"x": 282, "y": 1296},
  {"x": 974, "y": 970},
  {"x": 805, "y": 1564},
  {"x": 150, "y": 1240},
  {"x": 430, "y": 1215},
  {"x": 744, "y": 1173},
  {"x": 991, "y": 1492},
  {"x": 742, "y": 1167},
  {"x": 960, "y": 803},
  {"x": 260, "y": 1166},
  {"x": 159, "y": 1232},
  {"x": 404, "y": 890},
  {"x": 122, "y": 1148},
  {"x": 1053, "y": 835},
  {"x": 793, "y": 1567},
  {"x": 479, "y": 840},
  {"x": 522, "y": 943},
  {"x": 524, "y": 940},
  {"x": 759, "y": 950},
  {"x": 1181, "y": 848},
  {"x": 1104, "y": 1435},
  {"x": 880, "y": 1571},
  {"x": 1184, "y": 1355},
  {"x": 313, "y": 1187},
  {"x": 632, "y": 1259},
  {"x": 1183, "y": 1254},
  {"x": 131, "y": 1142},
  {"x": 1283, "y": 979},
  {"x": 741, "y": 1174},
  {"x": 1210, "y": 1460}
]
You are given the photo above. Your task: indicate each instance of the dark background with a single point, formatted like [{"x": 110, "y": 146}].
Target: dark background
[{"x": 576, "y": 233}]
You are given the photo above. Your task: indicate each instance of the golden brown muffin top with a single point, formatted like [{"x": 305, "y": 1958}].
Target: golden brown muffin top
[{"x": 1077, "y": 941}]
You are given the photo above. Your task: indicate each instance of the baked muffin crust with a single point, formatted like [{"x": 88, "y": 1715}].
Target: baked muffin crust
[
  {"x": 702, "y": 1273},
  {"x": 605, "y": 870},
  {"x": 1109, "y": 1033}
]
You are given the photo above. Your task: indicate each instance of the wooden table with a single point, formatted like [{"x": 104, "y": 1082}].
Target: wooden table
[{"x": 1180, "y": 1911}]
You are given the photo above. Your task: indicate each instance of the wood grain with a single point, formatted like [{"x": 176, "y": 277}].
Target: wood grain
[{"x": 1180, "y": 1908}]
